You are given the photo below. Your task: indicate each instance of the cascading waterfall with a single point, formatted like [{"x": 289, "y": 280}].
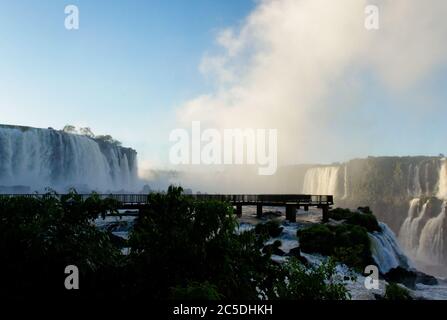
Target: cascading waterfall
[
  {"x": 423, "y": 232},
  {"x": 42, "y": 158},
  {"x": 346, "y": 182},
  {"x": 442, "y": 182},
  {"x": 432, "y": 244},
  {"x": 414, "y": 187},
  {"x": 410, "y": 231},
  {"x": 423, "y": 235},
  {"x": 321, "y": 180},
  {"x": 386, "y": 251},
  {"x": 426, "y": 179}
]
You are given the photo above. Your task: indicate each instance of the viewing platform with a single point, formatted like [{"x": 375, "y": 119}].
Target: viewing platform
[{"x": 291, "y": 202}]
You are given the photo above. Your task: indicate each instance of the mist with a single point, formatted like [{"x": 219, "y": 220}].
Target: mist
[{"x": 310, "y": 69}]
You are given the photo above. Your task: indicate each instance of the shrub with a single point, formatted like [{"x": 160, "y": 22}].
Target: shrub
[
  {"x": 314, "y": 283},
  {"x": 367, "y": 221},
  {"x": 179, "y": 248},
  {"x": 363, "y": 218},
  {"x": 196, "y": 291},
  {"x": 341, "y": 214},
  {"x": 39, "y": 237},
  {"x": 177, "y": 239},
  {"x": 394, "y": 291},
  {"x": 365, "y": 210},
  {"x": 317, "y": 238},
  {"x": 347, "y": 243},
  {"x": 270, "y": 228}
]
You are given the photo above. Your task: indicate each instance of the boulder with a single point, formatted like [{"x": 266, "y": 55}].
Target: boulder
[
  {"x": 272, "y": 228},
  {"x": 117, "y": 241},
  {"x": 409, "y": 278},
  {"x": 274, "y": 249},
  {"x": 296, "y": 252}
]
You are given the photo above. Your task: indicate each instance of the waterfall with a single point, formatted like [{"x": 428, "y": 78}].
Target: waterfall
[
  {"x": 432, "y": 244},
  {"x": 423, "y": 235},
  {"x": 41, "y": 158},
  {"x": 386, "y": 251},
  {"x": 414, "y": 181},
  {"x": 346, "y": 181},
  {"x": 321, "y": 180},
  {"x": 411, "y": 228},
  {"x": 426, "y": 179},
  {"x": 442, "y": 181}
]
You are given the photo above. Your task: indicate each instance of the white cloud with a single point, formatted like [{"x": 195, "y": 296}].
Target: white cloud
[{"x": 296, "y": 65}]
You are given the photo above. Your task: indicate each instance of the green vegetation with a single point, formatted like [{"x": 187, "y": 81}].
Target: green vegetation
[
  {"x": 40, "y": 237},
  {"x": 270, "y": 228},
  {"x": 196, "y": 291},
  {"x": 394, "y": 291},
  {"x": 314, "y": 283},
  {"x": 346, "y": 243},
  {"x": 86, "y": 131},
  {"x": 363, "y": 218},
  {"x": 179, "y": 248}
]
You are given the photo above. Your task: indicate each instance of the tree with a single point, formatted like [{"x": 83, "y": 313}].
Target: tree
[
  {"x": 87, "y": 132},
  {"x": 314, "y": 283},
  {"x": 109, "y": 139},
  {"x": 69, "y": 129},
  {"x": 39, "y": 237}
]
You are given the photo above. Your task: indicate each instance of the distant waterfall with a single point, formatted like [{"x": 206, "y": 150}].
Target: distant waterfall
[
  {"x": 386, "y": 251},
  {"x": 414, "y": 181},
  {"x": 411, "y": 228},
  {"x": 423, "y": 233},
  {"x": 346, "y": 182},
  {"x": 432, "y": 244},
  {"x": 442, "y": 182},
  {"x": 321, "y": 180},
  {"x": 42, "y": 158}
]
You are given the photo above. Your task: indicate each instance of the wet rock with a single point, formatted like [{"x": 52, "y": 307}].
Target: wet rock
[
  {"x": 271, "y": 228},
  {"x": 296, "y": 252},
  {"x": 274, "y": 249},
  {"x": 409, "y": 278},
  {"x": 117, "y": 241}
]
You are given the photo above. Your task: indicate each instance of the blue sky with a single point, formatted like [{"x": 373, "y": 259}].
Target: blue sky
[
  {"x": 133, "y": 63},
  {"x": 123, "y": 72}
]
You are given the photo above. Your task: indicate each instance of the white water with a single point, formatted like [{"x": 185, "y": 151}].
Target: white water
[
  {"x": 414, "y": 187},
  {"x": 386, "y": 250},
  {"x": 410, "y": 230},
  {"x": 432, "y": 246},
  {"x": 422, "y": 235},
  {"x": 442, "y": 182},
  {"x": 346, "y": 182},
  {"x": 41, "y": 158},
  {"x": 321, "y": 180}
]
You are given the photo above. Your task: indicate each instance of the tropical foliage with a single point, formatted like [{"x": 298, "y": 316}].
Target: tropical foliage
[{"x": 179, "y": 248}]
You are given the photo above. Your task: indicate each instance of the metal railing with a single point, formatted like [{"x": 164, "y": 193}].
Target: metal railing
[{"x": 233, "y": 198}]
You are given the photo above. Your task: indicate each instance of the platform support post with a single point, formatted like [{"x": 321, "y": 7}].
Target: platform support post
[
  {"x": 325, "y": 210},
  {"x": 291, "y": 212},
  {"x": 259, "y": 210},
  {"x": 239, "y": 210}
]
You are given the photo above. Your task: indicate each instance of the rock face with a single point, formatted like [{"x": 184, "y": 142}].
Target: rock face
[
  {"x": 386, "y": 184},
  {"x": 409, "y": 194},
  {"x": 41, "y": 158}
]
